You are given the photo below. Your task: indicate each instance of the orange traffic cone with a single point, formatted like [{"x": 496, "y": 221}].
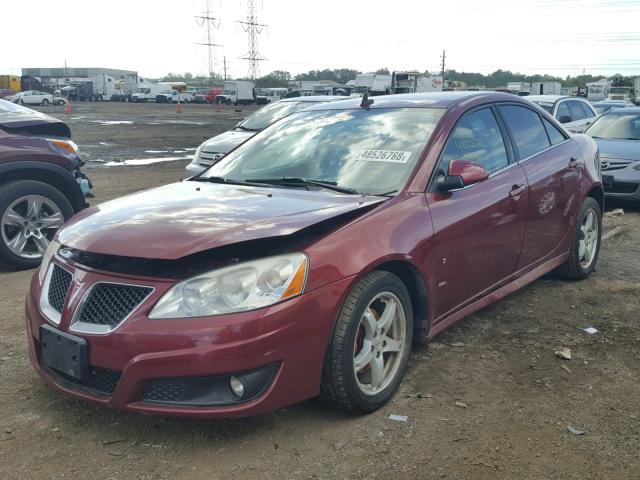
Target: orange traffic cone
[
  {"x": 219, "y": 107},
  {"x": 178, "y": 107},
  {"x": 67, "y": 109}
]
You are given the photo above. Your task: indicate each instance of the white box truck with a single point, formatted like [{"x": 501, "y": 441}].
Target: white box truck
[
  {"x": 546, "y": 88},
  {"x": 148, "y": 92},
  {"x": 237, "y": 92}
]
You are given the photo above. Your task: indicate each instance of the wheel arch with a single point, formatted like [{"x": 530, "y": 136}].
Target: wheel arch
[
  {"x": 54, "y": 175},
  {"x": 416, "y": 285},
  {"x": 597, "y": 193}
]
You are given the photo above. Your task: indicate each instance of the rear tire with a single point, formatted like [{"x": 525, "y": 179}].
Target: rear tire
[
  {"x": 45, "y": 102},
  {"x": 361, "y": 339},
  {"x": 10, "y": 193},
  {"x": 585, "y": 246}
]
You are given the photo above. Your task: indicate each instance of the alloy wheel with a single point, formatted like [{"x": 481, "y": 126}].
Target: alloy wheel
[
  {"x": 29, "y": 224},
  {"x": 588, "y": 242},
  {"x": 380, "y": 343}
]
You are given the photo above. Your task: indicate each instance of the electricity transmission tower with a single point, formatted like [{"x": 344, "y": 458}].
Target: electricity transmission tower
[
  {"x": 211, "y": 24},
  {"x": 253, "y": 29}
]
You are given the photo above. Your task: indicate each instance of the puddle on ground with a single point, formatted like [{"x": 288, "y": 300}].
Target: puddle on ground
[{"x": 145, "y": 161}]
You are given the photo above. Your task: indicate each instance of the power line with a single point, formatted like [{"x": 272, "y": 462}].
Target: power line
[{"x": 253, "y": 29}]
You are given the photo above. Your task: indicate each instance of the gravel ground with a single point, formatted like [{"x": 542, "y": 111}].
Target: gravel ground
[{"x": 488, "y": 399}]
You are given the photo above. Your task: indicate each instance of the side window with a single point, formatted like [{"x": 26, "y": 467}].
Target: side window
[
  {"x": 527, "y": 129},
  {"x": 588, "y": 113},
  {"x": 576, "y": 111},
  {"x": 555, "y": 135},
  {"x": 563, "y": 111},
  {"x": 476, "y": 138}
]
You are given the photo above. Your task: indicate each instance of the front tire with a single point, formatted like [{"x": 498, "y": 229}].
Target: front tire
[
  {"x": 585, "y": 247},
  {"x": 369, "y": 348},
  {"x": 31, "y": 213}
]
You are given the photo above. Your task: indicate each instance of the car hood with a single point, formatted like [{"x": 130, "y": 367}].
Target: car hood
[
  {"x": 621, "y": 149},
  {"x": 31, "y": 121},
  {"x": 227, "y": 141},
  {"x": 181, "y": 219}
]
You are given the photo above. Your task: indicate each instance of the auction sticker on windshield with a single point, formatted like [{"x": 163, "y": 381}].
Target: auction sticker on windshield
[{"x": 391, "y": 156}]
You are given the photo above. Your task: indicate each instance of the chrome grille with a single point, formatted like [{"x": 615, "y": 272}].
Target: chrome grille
[
  {"x": 109, "y": 304},
  {"x": 209, "y": 158},
  {"x": 608, "y": 163},
  {"x": 58, "y": 288}
]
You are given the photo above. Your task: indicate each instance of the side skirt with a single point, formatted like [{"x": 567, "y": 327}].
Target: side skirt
[{"x": 499, "y": 294}]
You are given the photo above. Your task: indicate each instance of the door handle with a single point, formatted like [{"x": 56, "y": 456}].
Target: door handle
[
  {"x": 516, "y": 191},
  {"x": 573, "y": 163}
]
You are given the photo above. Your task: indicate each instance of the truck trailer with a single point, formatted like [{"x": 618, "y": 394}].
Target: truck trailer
[{"x": 237, "y": 92}]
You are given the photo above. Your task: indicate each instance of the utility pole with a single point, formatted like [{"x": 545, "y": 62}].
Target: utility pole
[
  {"x": 211, "y": 23},
  {"x": 253, "y": 29},
  {"x": 225, "y": 66},
  {"x": 443, "y": 58}
]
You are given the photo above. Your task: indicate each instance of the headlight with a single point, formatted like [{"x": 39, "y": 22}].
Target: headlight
[
  {"x": 245, "y": 286},
  {"x": 52, "y": 249},
  {"x": 67, "y": 145}
]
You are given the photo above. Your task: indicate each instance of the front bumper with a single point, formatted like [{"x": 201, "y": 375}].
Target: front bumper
[
  {"x": 625, "y": 184},
  {"x": 290, "y": 337}
]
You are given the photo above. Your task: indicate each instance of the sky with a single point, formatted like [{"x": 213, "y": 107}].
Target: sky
[{"x": 558, "y": 37}]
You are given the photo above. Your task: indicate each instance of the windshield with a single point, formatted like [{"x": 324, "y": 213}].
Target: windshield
[
  {"x": 372, "y": 151},
  {"x": 547, "y": 106},
  {"x": 272, "y": 113},
  {"x": 616, "y": 126}
]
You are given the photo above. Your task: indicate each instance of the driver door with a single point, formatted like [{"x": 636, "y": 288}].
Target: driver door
[{"x": 478, "y": 229}]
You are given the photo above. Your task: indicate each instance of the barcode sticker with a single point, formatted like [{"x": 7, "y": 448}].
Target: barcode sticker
[{"x": 390, "y": 156}]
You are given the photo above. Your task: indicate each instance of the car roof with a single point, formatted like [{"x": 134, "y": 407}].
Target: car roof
[
  {"x": 550, "y": 98},
  {"x": 314, "y": 98},
  {"x": 427, "y": 100},
  {"x": 613, "y": 102},
  {"x": 624, "y": 111}
]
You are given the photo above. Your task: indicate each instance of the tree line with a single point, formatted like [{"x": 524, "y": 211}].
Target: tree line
[{"x": 281, "y": 78}]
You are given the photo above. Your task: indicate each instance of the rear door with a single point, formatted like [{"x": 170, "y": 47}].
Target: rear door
[
  {"x": 547, "y": 157},
  {"x": 478, "y": 229}
]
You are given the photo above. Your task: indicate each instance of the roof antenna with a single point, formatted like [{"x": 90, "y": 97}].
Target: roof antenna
[{"x": 366, "y": 103}]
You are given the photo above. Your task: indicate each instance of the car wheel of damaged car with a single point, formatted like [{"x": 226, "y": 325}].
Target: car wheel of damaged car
[
  {"x": 31, "y": 213},
  {"x": 369, "y": 350},
  {"x": 585, "y": 248}
]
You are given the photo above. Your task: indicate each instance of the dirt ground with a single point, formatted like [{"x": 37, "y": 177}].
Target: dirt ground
[{"x": 488, "y": 399}]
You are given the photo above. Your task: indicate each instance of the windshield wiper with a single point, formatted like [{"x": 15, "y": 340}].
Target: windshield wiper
[
  {"x": 247, "y": 129},
  {"x": 227, "y": 181},
  {"x": 295, "y": 181}
]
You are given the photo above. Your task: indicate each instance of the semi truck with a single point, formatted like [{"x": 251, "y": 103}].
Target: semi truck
[
  {"x": 546, "y": 88},
  {"x": 372, "y": 83},
  {"x": 10, "y": 82},
  {"x": 237, "y": 92},
  {"x": 412, "y": 82}
]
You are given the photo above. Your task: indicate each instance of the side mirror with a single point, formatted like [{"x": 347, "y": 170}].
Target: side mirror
[
  {"x": 461, "y": 173},
  {"x": 565, "y": 119}
]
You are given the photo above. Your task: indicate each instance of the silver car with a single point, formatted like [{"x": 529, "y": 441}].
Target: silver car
[
  {"x": 575, "y": 113},
  {"x": 212, "y": 151},
  {"x": 617, "y": 134}
]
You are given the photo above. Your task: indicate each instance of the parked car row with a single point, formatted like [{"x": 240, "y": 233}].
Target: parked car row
[{"x": 310, "y": 258}]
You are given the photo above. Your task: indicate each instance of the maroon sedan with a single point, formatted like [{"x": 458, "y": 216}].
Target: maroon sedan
[{"x": 310, "y": 259}]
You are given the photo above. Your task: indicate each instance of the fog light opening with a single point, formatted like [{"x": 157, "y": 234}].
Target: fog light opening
[{"x": 237, "y": 387}]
